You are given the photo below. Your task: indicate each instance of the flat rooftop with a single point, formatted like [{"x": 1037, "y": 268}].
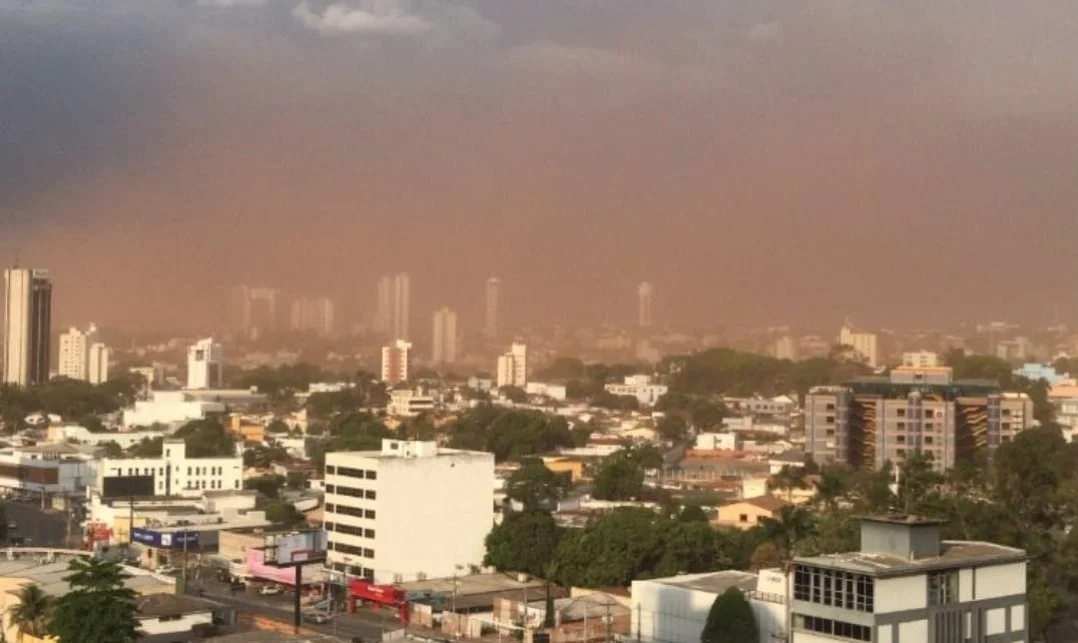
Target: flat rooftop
[
  {"x": 712, "y": 582},
  {"x": 50, "y": 576},
  {"x": 473, "y": 584},
  {"x": 953, "y": 553}
]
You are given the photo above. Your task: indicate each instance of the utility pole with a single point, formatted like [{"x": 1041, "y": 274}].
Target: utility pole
[{"x": 608, "y": 623}]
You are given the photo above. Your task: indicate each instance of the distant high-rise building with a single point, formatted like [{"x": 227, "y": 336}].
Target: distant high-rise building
[
  {"x": 27, "y": 326},
  {"x": 490, "y": 326},
  {"x": 864, "y": 344},
  {"x": 921, "y": 359},
  {"x": 513, "y": 366},
  {"x": 786, "y": 348},
  {"x": 444, "y": 341},
  {"x": 396, "y": 362},
  {"x": 81, "y": 357},
  {"x": 98, "y": 368},
  {"x": 256, "y": 310},
  {"x": 316, "y": 316},
  {"x": 401, "y": 305},
  {"x": 205, "y": 364},
  {"x": 383, "y": 312},
  {"x": 645, "y": 294}
]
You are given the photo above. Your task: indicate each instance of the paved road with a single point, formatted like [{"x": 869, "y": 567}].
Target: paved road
[
  {"x": 43, "y": 528},
  {"x": 363, "y": 624}
]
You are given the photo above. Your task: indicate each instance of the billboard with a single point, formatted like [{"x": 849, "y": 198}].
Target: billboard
[
  {"x": 257, "y": 567},
  {"x": 165, "y": 540},
  {"x": 296, "y": 548},
  {"x": 113, "y": 487}
]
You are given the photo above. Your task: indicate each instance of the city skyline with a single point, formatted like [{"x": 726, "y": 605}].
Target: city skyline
[{"x": 736, "y": 153}]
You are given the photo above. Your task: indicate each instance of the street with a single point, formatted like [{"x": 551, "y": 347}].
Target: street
[
  {"x": 365, "y": 624},
  {"x": 43, "y": 528}
]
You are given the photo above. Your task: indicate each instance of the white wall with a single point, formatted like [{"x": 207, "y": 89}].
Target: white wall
[
  {"x": 904, "y": 593},
  {"x": 913, "y": 632},
  {"x": 663, "y": 613},
  {"x": 153, "y": 626},
  {"x": 432, "y": 512},
  {"x": 1000, "y": 580},
  {"x": 188, "y": 477}
]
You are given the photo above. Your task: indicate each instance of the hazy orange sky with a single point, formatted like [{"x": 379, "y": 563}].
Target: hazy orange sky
[{"x": 910, "y": 163}]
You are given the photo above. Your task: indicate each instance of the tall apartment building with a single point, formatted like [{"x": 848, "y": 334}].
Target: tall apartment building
[
  {"x": 256, "y": 310},
  {"x": 512, "y": 369},
  {"x": 27, "y": 326},
  {"x": 380, "y": 507},
  {"x": 396, "y": 362},
  {"x": 314, "y": 315},
  {"x": 645, "y": 294},
  {"x": 205, "y": 364},
  {"x": 786, "y": 348},
  {"x": 176, "y": 474},
  {"x": 81, "y": 357},
  {"x": 864, "y": 344},
  {"x": 444, "y": 340},
  {"x": 871, "y": 420},
  {"x": 383, "y": 311},
  {"x": 907, "y": 585},
  {"x": 402, "y": 298},
  {"x": 493, "y": 293}
]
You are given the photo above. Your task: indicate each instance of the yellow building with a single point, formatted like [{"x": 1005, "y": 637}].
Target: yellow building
[
  {"x": 571, "y": 466},
  {"x": 249, "y": 431},
  {"x": 746, "y": 514}
]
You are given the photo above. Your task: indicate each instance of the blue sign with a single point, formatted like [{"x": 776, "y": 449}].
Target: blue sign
[{"x": 166, "y": 540}]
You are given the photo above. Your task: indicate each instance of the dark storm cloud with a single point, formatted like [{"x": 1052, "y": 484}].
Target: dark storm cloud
[{"x": 759, "y": 161}]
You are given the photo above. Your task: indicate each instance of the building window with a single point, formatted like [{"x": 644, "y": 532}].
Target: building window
[
  {"x": 901, "y": 413},
  {"x": 350, "y": 491},
  {"x": 345, "y": 510},
  {"x": 331, "y": 488},
  {"x": 372, "y": 474},
  {"x": 369, "y": 514},
  {"x": 942, "y": 587},
  {"x": 331, "y": 508},
  {"x": 368, "y": 533},
  {"x": 830, "y": 407},
  {"x": 348, "y": 549},
  {"x": 838, "y": 629},
  {"x": 368, "y": 553},
  {"x": 928, "y": 440},
  {"x": 743, "y": 518},
  {"x": 830, "y": 419},
  {"x": 331, "y": 470},
  {"x": 349, "y": 530},
  {"x": 350, "y": 472},
  {"x": 371, "y": 495},
  {"x": 839, "y": 589}
]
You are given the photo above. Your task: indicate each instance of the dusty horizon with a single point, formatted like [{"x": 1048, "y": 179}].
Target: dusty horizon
[{"x": 759, "y": 163}]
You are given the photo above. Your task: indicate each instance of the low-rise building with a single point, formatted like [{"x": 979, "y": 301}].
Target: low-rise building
[
  {"x": 170, "y": 407},
  {"x": 907, "y": 585},
  {"x": 55, "y": 468},
  {"x": 750, "y": 512},
  {"x": 409, "y": 403},
  {"x": 177, "y": 475},
  {"x": 646, "y": 391}
]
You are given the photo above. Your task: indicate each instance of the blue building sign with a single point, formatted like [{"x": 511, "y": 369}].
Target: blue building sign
[{"x": 166, "y": 540}]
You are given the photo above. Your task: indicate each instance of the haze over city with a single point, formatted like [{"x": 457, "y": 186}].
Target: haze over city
[{"x": 760, "y": 162}]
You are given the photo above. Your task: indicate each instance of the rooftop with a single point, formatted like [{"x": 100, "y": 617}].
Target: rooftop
[
  {"x": 903, "y": 519},
  {"x": 50, "y": 576},
  {"x": 712, "y": 582},
  {"x": 765, "y": 502},
  {"x": 953, "y": 553},
  {"x": 158, "y": 605},
  {"x": 272, "y": 636}
]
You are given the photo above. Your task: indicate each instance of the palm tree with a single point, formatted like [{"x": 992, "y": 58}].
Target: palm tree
[
  {"x": 789, "y": 478},
  {"x": 788, "y": 527},
  {"x": 830, "y": 488},
  {"x": 31, "y": 612}
]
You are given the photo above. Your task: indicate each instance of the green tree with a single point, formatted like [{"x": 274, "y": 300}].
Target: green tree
[
  {"x": 730, "y": 620},
  {"x": 269, "y": 485},
  {"x": 99, "y": 608},
  {"x": 789, "y": 478},
  {"x": 535, "y": 486},
  {"x": 514, "y": 394},
  {"x": 31, "y": 613},
  {"x": 620, "y": 476},
  {"x": 831, "y": 488},
  {"x": 263, "y": 456},
  {"x": 206, "y": 439},
  {"x": 612, "y": 549},
  {"x": 692, "y": 513},
  {"x": 524, "y": 542},
  {"x": 672, "y": 428},
  {"x": 148, "y": 448},
  {"x": 281, "y": 512},
  {"x": 789, "y": 527},
  {"x": 112, "y": 449}
]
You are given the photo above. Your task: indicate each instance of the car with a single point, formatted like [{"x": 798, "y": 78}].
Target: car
[
  {"x": 270, "y": 590},
  {"x": 318, "y": 618},
  {"x": 166, "y": 569}
]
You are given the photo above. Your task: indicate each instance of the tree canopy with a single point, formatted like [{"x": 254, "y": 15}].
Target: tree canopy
[
  {"x": 31, "y": 613},
  {"x": 99, "y": 608},
  {"x": 207, "y": 439},
  {"x": 74, "y": 400},
  {"x": 510, "y": 434},
  {"x": 730, "y": 620},
  {"x": 620, "y": 476},
  {"x": 731, "y": 372},
  {"x": 535, "y": 486},
  {"x": 524, "y": 542}
]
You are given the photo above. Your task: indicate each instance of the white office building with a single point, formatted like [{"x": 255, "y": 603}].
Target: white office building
[
  {"x": 383, "y": 507},
  {"x": 177, "y": 475},
  {"x": 512, "y": 367},
  {"x": 205, "y": 364},
  {"x": 444, "y": 339},
  {"x": 408, "y": 403},
  {"x": 81, "y": 357},
  {"x": 642, "y": 387},
  {"x": 396, "y": 362},
  {"x": 863, "y": 344},
  {"x": 50, "y": 468},
  {"x": 169, "y": 408},
  {"x": 490, "y": 319},
  {"x": 27, "y": 326}
]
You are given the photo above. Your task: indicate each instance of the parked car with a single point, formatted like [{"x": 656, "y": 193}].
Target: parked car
[
  {"x": 270, "y": 590},
  {"x": 317, "y": 618}
]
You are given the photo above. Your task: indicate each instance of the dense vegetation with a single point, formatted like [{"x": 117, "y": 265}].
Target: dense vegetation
[
  {"x": 73, "y": 400},
  {"x": 510, "y": 434},
  {"x": 736, "y": 373},
  {"x": 1026, "y": 497}
]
